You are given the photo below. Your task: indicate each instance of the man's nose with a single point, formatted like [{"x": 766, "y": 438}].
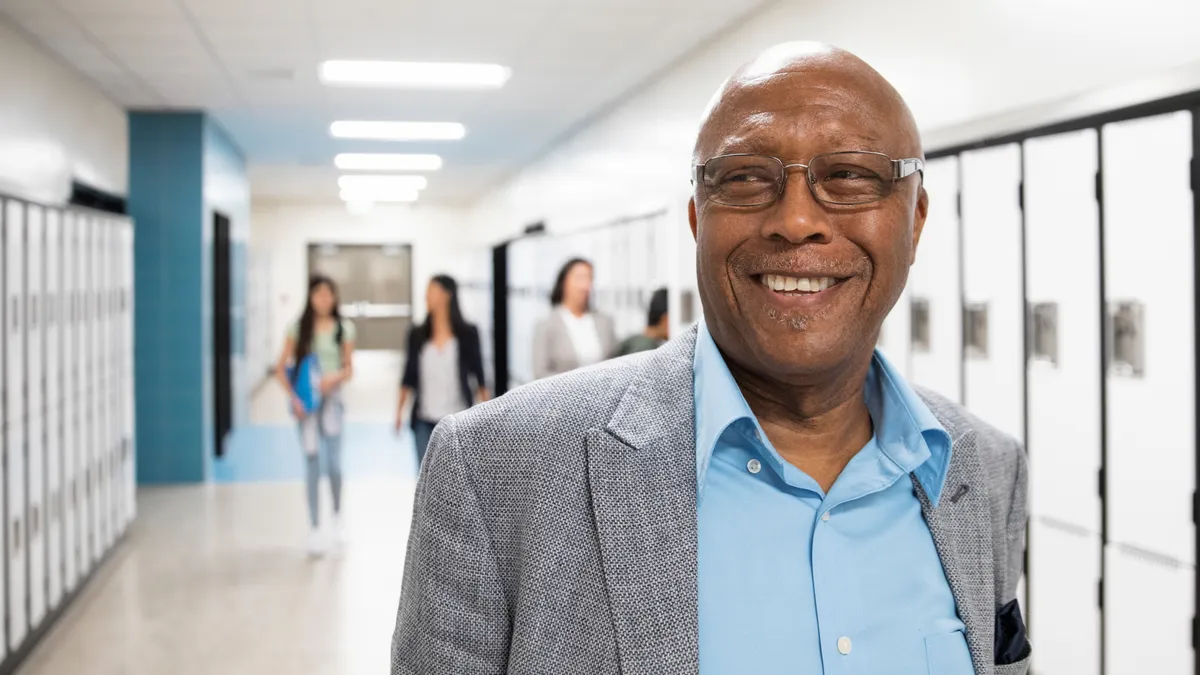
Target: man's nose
[{"x": 798, "y": 217}]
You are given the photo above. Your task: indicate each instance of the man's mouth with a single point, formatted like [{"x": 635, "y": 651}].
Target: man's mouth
[{"x": 786, "y": 285}]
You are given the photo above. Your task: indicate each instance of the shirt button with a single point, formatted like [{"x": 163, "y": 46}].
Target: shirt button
[
  {"x": 825, "y": 517},
  {"x": 844, "y": 645},
  {"x": 754, "y": 466}
]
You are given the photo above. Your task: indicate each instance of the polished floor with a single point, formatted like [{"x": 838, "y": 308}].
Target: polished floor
[{"x": 214, "y": 578}]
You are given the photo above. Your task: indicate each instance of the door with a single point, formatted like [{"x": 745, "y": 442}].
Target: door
[
  {"x": 1149, "y": 269},
  {"x": 70, "y": 314},
  {"x": 374, "y": 288},
  {"x": 1062, "y": 223},
  {"x": 222, "y": 332},
  {"x": 14, "y": 250},
  {"x": 53, "y": 390},
  {"x": 934, "y": 292},
  {"x": 993, "y": 298},
  {"x": 35, "y": 410}
]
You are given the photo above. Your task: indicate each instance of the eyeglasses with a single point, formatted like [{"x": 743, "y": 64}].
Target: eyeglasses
[{"x": 839, "y": 178}]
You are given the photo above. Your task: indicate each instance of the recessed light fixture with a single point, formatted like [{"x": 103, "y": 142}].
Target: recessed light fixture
[
  {"x": 379, "y": 196},
  {"x": 414, "y": 75},
  {"x": 398, "y": 131},
  {"x": 351, "y": 161},
  {"x": 371, "y": 184}
]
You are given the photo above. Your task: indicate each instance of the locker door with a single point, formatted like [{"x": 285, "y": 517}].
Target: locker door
[
  {"x": 14, "y": 232},
  {"x": 115, "y": 386},
  {"x": 35, "y": 412},
  {"x": 895, "y": 336},
  {"x": 54, "y": 463},
  {"x": 935, "y": 295},
  {"x": 70, "y": 486},
  {"x": 1149, "y": 266},
  {"x": 1062, "y": 222},
  {"x": 129, "y": 450},
  {"x": 87, "y": 339},
  {"x": 100, "y": 343},
  {"x": 10, "y": 217},
  {"x": 994, "y": 306}
]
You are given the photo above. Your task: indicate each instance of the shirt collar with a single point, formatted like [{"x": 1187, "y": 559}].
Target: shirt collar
[{"x": 905, "y": 428}]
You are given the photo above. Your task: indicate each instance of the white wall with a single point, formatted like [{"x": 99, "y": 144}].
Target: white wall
[
  {"x": 955, "y": 62},
  {"x": 280, "y": 235},
  {"x": 55, "y": 126}
]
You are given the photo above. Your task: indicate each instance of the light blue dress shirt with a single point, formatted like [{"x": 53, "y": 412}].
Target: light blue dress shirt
[{"x": 798, "y": 582}]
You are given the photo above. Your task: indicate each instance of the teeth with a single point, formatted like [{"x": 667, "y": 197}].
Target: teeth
[{"x": 782, "y": 284}]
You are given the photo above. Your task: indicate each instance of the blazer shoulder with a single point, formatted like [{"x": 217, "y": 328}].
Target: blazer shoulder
[{"x": 554, "y": 409}]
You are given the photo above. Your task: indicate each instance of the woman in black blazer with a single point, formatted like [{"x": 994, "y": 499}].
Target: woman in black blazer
[{"x": 443, "y": 373}]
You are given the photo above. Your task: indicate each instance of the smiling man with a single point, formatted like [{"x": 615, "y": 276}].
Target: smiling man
[{"x": 764, "y": 494}]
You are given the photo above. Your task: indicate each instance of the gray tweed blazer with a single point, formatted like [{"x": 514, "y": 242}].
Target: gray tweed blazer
[{"x": 554, "y": 529}]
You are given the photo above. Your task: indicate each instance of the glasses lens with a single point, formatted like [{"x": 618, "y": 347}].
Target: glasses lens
[
  {"x": 742, "y": 180},
  {"x": 851, "y": 177}
]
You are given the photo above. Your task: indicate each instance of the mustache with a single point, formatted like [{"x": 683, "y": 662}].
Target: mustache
[{"x": 797, "y": 259}]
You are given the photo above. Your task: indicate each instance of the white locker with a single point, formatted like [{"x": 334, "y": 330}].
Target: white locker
[
  {"x": 101, "y": 387},
  {"x": 35, "y": 412},
  {"x": 128, "y": 451},
  {"x": 10, "y": 215},
  {"x": 1148, "y": 608},
  {"x": 90, "y": 391},
  {"x": 68, "y": 314},
  {"x": 129, "y": 448},
  {"x": 934, "y": 291},
  {"x": 1148, "y": 253},
  {"x": 14, "y": 251},
  {"x": 85, "y": 517},
  {"x": 1063, "y": 609},
  {"x": 1064, "y": 371},
  {"x": 115, "y": 386},
  {"x": 895, "y": 336},
  {"x": 54, "y": 446},
  {"x": 993, "y": 303}
]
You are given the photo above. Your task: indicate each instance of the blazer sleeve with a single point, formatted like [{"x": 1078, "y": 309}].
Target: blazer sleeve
[
  {"x": 542, "y": 344},
  {"x": 412, "y": 368},
  {"x": 1018, "y": 516},
  {"x": 453, "y": 615}
]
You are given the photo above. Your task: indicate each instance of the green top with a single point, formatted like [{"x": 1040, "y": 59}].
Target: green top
[
  {"x": 325, "y": 346},
  {"x": 637, "y": 343}
]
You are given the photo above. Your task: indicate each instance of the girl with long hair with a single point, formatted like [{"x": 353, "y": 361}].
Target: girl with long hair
[
  {"x": 443, "y": 373},
  {"x": 322, "y": 336}
]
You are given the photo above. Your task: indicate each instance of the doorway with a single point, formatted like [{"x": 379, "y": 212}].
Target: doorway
[
  {"x": 222, "y": 332},
  {"x": 374, "y": 287}
]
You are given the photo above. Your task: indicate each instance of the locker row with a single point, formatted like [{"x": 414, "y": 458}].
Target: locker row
[
  {"x": 68, "y": 455},
  {"x": 626, "y": 261},
  {"x": 1053, "y": 295}
]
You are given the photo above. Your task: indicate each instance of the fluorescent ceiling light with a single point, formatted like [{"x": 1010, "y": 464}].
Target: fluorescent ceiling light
[
  {"x": 415, "y": 75},
  {"x": 350, "y": 161},
  {"x": 385, "y": 184},
  {"x": 380, "y": 196},
  {"x": 399, "y": 131}
]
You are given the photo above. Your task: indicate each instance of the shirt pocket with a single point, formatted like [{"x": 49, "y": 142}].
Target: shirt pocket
[{"x": 948, "y": 654}]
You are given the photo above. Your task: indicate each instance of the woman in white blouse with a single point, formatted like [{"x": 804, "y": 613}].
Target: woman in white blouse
[{"x": 573, "y": 335}]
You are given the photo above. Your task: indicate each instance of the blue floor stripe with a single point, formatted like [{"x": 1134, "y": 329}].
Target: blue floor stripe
[{"x": 269, "y": 453}]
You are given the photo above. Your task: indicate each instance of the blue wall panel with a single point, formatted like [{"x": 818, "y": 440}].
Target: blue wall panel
[{"x": 182, "y": 168}]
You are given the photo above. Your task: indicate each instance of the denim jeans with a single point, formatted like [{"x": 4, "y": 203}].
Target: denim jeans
[
  {"x": 323, "y": 431},
  {"x": 422, "y": 431}
]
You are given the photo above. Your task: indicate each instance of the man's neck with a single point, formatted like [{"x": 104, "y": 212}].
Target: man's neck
[{"x": 816, "y": 426}]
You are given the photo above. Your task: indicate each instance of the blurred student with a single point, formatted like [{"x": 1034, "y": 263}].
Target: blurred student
[
  {"x": 320, "y": 333},
  {"x": 443, "y": 373},
  {"x": 657, "y": 328},
  {"x": 573, "y": 335}
]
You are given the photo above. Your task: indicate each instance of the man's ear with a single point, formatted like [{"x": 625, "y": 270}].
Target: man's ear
[
  {"x": 692, "y": 216},
  {"x": 920, "y": 212}
]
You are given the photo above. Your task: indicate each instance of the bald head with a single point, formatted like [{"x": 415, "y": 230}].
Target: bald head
[{"x": 813, "y": 78}]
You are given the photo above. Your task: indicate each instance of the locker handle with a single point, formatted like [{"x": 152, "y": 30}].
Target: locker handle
[
  {"x": 33, "y": 312},
  {"x": 16, "y": 536},
  {"x": 35, "y": 521},
  {"x": 15, "y": 313}
]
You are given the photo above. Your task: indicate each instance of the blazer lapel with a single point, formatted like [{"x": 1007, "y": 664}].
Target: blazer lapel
[
  {"x": 961, "y": 527},
  {"x": 642, "y": 475}
]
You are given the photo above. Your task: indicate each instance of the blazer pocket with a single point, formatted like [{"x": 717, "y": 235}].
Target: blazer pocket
[
  {"x": 1019, "y": 668},
  {"x": 948, "y": 654}
]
